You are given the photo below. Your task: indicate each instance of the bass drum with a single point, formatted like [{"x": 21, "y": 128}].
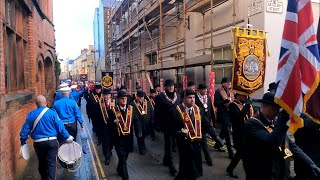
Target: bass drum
[{"x": 70, "y": 156}]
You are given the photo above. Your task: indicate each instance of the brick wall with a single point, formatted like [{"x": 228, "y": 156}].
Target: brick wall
[{"x": 14, "y": 106}]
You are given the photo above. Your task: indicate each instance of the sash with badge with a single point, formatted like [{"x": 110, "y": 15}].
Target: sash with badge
[
  {"x": 142, "y": 109},
  {"x": 241, "y": 106},
  {"x": 96, "y": 97},
  {"x": 124, "y": 125},
  {"x": 286, "y": 151},
  {"x": 103, "y": 109},
  {"x": 204, "y": 101},
  {"x": 151, "y": 102},
  {"x": 194, "y": 131},
  {"x": 225, "y": 95}
]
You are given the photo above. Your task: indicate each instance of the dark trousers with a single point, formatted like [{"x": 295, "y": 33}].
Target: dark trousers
[
  {"x": 235, "y": 160},
  {"x": 141, "y": 143},
  {"x": 47, "y": 155},
  {"x": 169, "y": 140},
  {"x": 225, "y": 134},
  {"x": 205, "y": 149},
  {"x": 72, "y": 129},
  {"x": 106, "y": 143},
  {"x": 122, "y": 154}
]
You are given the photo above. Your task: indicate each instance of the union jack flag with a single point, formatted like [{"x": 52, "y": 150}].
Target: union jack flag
[{"x": 299, "y": 62}]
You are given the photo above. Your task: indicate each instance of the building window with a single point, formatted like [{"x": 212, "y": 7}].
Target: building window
[
  {"x": 152, "y": 58},
  {"x": 16, "y": 46}
]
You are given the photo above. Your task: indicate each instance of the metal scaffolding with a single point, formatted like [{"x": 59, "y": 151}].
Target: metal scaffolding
[{"x": 138, "y": 25}]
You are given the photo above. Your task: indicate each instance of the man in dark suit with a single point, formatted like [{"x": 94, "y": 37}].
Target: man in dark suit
[
  {"x": 308, "y": 139},
  {"x": 204, "y": 102},
  {"x": 151, "y": 98},
  {"x": 165, "y": 101},
  {"x": 266, "y": 147},
  {"x": 143, "y": 109},
  {"x": 129, "y": 97},
  {"x": 189, "y": 124},
  {"x": 121, "y": 121},
  {"x": 222, "y": 98},
  {"x": 97, "y": 120},
  {"x": 240, "y": 110}
]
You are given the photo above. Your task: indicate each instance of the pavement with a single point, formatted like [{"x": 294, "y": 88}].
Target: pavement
[{"x": 140, "y": 167}]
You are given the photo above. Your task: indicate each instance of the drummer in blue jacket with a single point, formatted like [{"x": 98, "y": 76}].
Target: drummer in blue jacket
[
  {"x": 44, "y": 134},
  {"x": 76, "y": 94},
  {"x": 58, "y": 95},
  {"x": 68, "y": 112}
]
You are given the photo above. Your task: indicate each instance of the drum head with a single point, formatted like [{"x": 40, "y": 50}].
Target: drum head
[
  {"x": 25, "y": 151},
  {"x": 69, "y": 153}
]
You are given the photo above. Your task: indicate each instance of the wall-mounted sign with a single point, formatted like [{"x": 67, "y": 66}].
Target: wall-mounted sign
[
  {"x": 255, "y": 8},
  {"x": 275, "y": 6}
]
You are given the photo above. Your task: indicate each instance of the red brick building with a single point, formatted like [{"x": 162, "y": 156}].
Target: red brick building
[{"x": 27, "y": 53}]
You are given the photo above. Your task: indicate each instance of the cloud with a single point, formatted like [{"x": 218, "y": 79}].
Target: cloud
[{"x": 73, "y": 21}]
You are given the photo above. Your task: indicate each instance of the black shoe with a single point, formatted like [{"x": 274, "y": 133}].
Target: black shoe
[
  {"x": 231, "y": 155},
  {"x": 174, "y": 150},
  {"x": 142, "y": 152},
  {"x": 173, "y": 170},
  {"x": 165, "y": 163},
  {"x": 107, "y": 162},
  {"x": 232, "y": 174},
  {"x": 209, "y": 163}
]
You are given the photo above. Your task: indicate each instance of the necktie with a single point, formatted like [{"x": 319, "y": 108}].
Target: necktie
[{"x": 190, "y": 112}]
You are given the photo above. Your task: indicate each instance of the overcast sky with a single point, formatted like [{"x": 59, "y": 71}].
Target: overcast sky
[{"x": 73, "y": 22}]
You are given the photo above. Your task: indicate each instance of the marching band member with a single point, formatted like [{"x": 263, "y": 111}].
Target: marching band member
[
  {"x": 121, "y": 121},
  {"x": 68, "y": 112},
  {"x": 144, "y": 112},
  {"x": 222, "y": 98}
]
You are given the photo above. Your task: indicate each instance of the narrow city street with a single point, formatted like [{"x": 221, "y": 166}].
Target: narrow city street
[{"x": 147, "y": 167}]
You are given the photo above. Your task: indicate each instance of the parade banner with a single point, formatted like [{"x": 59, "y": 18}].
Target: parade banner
[
  {"x": 130, "y": 86},
  {"x": 211, "y": 88},
  {"x": 184, "y": 82},
  {"x": 107, "y": 79},
  {"x": 161, "y": 84},
  {"x": 249, "y": 60}
]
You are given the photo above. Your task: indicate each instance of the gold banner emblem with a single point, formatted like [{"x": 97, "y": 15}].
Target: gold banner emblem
[{"x": 249, "y": 60}]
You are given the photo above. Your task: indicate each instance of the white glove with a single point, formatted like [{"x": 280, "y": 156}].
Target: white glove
[{"x": 70, "y": 139}]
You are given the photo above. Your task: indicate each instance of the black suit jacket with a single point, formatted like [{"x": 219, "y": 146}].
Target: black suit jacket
[
  {"x": 162, "y": 109},
  {"x": 119, "y": 139},
  {"x": 210, "y": 115}
]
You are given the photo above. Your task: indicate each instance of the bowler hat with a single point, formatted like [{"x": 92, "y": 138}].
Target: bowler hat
[
  {"x": 272, "y": 86},
  {"x": 268, "y": 98},
  {"x": 106, "y": 91},
  {"x": 121, "y": 94},
  {"x": 140, "y": 93},
  {"x": 138, "y": 87},
  {"x": 98, "y": 86},
  {"x": 224, "y": 80},
  {"x": 188, "y": 92},
  {"x": 191, "y": 83},
  {"x": 169, "y": 82},
  {"x": 202, "y": 86},
  {"x": 157, "y": 85},
  {"x": 152, "y": 91},
  {"x": 123, "y": 87}
]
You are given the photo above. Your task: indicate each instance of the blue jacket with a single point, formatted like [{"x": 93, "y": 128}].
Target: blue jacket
[
  {"x": 68, "y": 111},
  {"x": 76, "y": 94},
  {"x": 48, "y": 126},
  {"x": 59, "y": 96}
]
